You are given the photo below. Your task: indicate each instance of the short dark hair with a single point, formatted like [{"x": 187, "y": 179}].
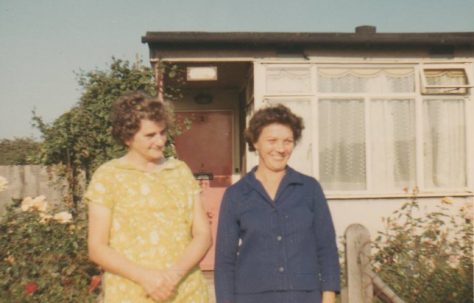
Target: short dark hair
[
  {"x": 279, "y": 114},
  {"x": 131, "y": 108}
]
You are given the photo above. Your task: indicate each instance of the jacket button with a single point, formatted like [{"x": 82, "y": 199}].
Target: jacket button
[
  {"x": 279, "y": 238},
  {"x": 281, "y": 269}
]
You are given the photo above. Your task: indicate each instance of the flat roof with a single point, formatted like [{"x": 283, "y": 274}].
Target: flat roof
[{"x": 363, "y": 36}]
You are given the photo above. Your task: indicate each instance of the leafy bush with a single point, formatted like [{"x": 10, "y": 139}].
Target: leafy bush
[
  {"x": 428, "y": 258},
  {"x": 80, "y": 139},
  {"x": 43, "y": 255}
]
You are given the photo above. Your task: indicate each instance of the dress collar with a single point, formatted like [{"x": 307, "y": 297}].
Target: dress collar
[{"x": 169, "y": 163}]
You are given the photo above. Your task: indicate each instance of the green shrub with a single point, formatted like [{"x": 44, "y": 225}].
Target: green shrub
[
  {"x": 428, "y": 257},
  {"x": 43, "y": 256}
]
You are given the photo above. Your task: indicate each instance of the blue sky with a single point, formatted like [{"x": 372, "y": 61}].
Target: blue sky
[{"x": 44, "y": 42}]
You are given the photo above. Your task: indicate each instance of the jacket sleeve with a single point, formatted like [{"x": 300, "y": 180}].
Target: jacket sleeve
[
  {"x": 226, "y": 251},
  {"x": 328, "y": 257}
]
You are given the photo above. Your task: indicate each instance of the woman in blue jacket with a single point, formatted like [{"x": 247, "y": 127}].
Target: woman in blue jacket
[{"x": 275, "y": 241}]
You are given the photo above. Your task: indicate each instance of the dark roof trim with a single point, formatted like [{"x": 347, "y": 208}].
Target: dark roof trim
[{"x": 361, "y": 37}]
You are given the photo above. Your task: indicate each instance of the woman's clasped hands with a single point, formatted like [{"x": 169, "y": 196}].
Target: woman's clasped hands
[{"x": 160, "y": 285}]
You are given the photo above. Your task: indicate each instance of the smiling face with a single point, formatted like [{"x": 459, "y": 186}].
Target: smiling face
[
  {"x": 148, "y": 143},
  {"x": 274, "y": 146}
]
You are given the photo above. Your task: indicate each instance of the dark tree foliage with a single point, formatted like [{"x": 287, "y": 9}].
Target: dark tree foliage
[{"x": 79, "y": 140}]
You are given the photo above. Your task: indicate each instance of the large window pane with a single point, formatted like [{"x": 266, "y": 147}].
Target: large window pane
[
  {"x": 444, "y": 143},
  {"x": 342, "y": 155},
  {"x": 302, "y": 158},
  {"x": 288, "y": 80},
  {"x": 393, "y": 145}
]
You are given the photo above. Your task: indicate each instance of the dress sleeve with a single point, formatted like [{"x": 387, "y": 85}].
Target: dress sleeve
[
  {"x": 328, "y": 257},
  {"x": 99, "y": 191}
]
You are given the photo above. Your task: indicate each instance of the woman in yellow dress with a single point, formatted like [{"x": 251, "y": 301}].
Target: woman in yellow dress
[{"x": 147, "y": 227}]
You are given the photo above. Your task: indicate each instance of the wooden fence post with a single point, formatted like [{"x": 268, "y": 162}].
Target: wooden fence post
[{"x": 357, "y": 254}]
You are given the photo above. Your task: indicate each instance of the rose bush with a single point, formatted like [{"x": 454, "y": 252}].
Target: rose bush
[
  {"x": 428, "y": 257},
  {"x": 43, "y": 255}
]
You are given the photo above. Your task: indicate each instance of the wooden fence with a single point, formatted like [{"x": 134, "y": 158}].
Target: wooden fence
[
  {"x": 362, "y": 283},
  {"x": 30, "y": 180}
]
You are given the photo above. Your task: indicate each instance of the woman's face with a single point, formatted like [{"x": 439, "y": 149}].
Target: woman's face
[
  {"x": 149, "y": 141},
  {"x": 274, "y": 146}
]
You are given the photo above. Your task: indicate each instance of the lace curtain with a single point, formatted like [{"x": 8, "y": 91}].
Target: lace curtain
[
  {"x": 288, "y": 80},
  {"x": 342, "y": 164},
  {"x": 391, "y": 140},
  {"x": 393, "y": 144},
  {"x": 333, "y": 80},
  {"x": 444, "y": 143}
]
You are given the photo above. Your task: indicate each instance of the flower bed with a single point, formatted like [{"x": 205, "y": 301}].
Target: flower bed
[
  {"x": 428, "y": 258},
  {"x": 43, "y": 255}
]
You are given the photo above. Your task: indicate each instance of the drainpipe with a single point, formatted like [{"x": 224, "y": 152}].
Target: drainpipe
[{"x": 158, "y": 77}]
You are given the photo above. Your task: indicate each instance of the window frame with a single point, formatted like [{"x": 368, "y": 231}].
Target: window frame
[{"x": 425, "y": 86}]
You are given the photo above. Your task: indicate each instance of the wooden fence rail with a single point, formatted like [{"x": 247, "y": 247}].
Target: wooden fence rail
[{"x": 362, "y": 282}]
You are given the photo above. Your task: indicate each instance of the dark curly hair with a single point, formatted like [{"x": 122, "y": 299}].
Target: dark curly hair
[
  {"x": 131, "y": 108},
  {"x": 279, "y": 114}
]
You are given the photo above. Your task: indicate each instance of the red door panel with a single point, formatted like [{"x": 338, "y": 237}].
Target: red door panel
[{"x": 207, "y": 146}]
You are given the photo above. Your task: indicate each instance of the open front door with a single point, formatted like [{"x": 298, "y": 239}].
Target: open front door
[
  {"x": 207, "y": 149},
  {"x": 207, "y": 146}
]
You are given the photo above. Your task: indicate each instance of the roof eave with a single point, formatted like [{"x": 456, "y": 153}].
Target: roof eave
[{"x": 251, "y": 39}]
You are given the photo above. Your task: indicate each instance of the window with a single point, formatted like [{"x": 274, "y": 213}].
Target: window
[
  {"x": 288, "y": 80},
  {"x": 358, "y": 80},
  {"x": 444, "y": 143},
  {"x": 392, "y": 144},
  {"x": 444, "y": 81},
  {"x": 367, "y": 143},
  {"x": 353, "y": 139},
  {"x": 342, "y": 150},
  {"x": 375, "y": 130}
]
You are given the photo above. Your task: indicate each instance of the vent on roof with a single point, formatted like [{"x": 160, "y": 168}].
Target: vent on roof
[{"x": 365, "y": 29}]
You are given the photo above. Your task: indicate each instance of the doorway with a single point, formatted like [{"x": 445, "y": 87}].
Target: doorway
[
  {"x": 212, "y": 146},
  {"x": 206, "y": 145}
]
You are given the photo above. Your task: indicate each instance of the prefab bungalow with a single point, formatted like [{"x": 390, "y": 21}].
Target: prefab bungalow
[{"x": 384, "y": 112}]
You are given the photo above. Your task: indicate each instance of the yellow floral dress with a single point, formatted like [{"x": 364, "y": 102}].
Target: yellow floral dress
[{"x": 152, "y": 215}]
